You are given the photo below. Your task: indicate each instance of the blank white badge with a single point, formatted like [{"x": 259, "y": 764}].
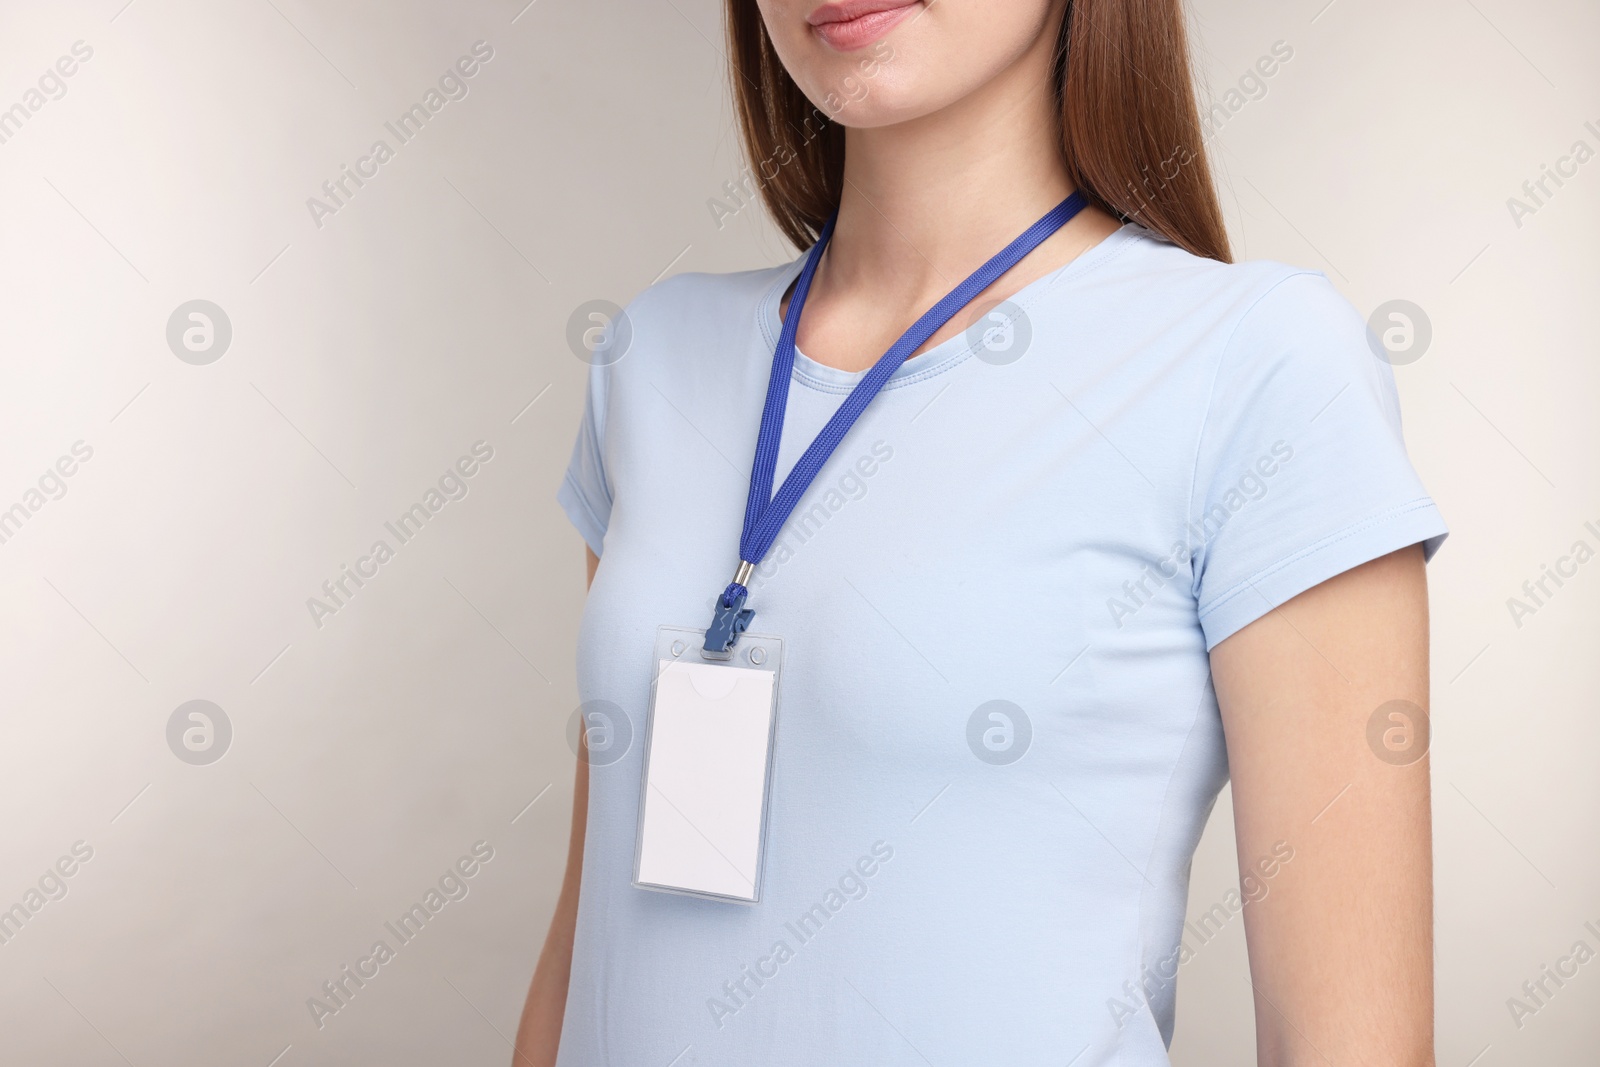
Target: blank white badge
[{"x": 703, "y": 810}]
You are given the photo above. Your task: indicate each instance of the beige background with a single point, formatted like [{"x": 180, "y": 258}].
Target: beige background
[{"x": 430, "y": 313}]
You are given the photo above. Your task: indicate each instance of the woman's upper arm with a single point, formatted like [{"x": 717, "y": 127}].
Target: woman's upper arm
[{"x": 1341, "y": 945}]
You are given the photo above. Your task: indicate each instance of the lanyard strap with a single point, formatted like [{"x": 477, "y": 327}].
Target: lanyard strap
[{"x": 764, "y": 513}]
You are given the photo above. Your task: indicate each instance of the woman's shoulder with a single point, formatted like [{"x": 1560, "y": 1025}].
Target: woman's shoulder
[
  {"x": 1167, "y": 274},
  {"x": 1263, "y": 327},
  {"x": 689, "y": 320},
  {"x": 702, "y": 299}
]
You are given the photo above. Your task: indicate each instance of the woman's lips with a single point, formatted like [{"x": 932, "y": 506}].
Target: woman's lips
[{"x": 857, "y": 23}]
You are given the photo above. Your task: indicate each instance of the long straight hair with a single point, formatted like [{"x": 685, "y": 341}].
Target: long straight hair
[{"x": 1130, "y": 130}]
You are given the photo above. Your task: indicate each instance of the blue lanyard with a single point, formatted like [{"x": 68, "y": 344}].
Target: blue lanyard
[{"x": 765, "y": 514}]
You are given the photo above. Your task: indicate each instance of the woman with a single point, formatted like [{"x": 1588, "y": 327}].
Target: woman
[{"x": 1134, "y": 521}]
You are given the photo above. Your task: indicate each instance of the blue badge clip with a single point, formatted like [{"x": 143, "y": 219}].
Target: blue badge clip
[{"x": 731, "y": 618}]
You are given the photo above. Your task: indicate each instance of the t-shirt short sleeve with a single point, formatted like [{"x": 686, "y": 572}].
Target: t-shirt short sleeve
[
  {"x": 1302, "y": 471},
  {"x": 585, "y": 493}
]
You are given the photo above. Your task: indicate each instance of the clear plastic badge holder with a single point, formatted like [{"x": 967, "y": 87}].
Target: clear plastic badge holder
[{"x": 707, "y": 766}]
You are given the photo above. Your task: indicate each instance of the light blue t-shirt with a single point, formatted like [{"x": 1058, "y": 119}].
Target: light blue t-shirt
[{"x": 1065, "y": 517}]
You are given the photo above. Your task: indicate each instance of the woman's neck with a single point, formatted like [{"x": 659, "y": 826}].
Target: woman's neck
[
  {"x": 922, "y": 199},
  {"x": 929, "y": 200}
]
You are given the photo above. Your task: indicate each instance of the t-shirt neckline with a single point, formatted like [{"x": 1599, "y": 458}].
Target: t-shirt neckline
[{"x": 944, "y": 356}]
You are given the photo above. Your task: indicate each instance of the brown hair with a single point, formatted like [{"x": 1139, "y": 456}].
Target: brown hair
[{"x": 1130, "y": 131}]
